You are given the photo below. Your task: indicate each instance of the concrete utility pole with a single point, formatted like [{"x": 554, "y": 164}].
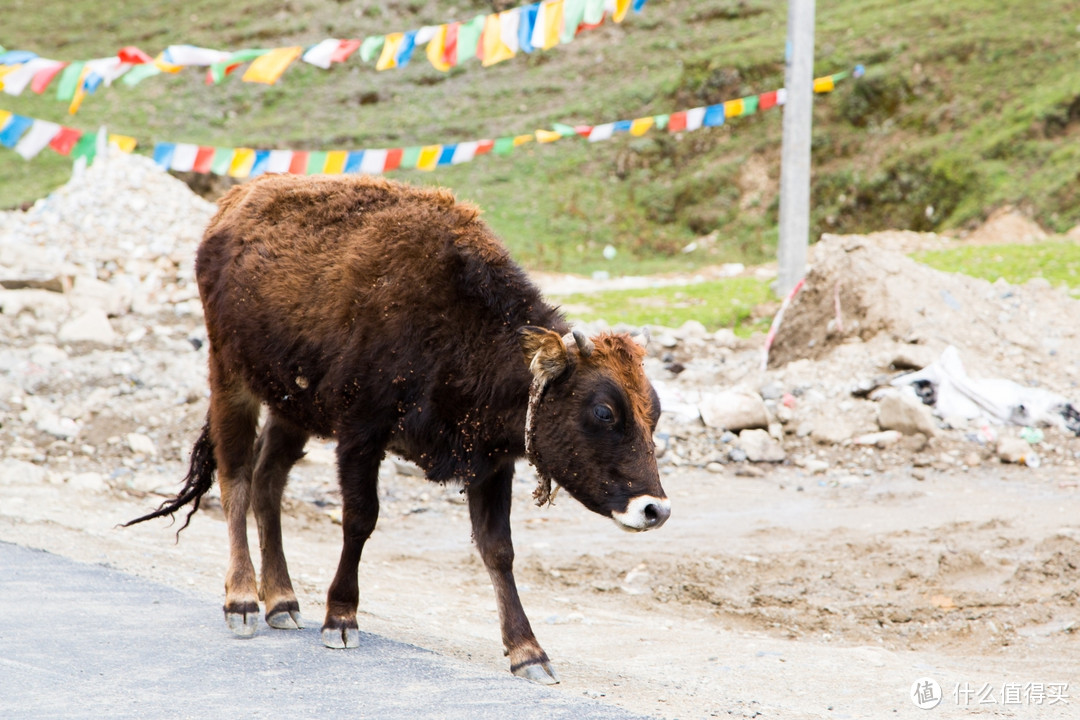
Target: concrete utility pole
[{"x": 795, "y": 154}]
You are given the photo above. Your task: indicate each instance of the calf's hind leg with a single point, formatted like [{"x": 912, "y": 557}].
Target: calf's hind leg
[
  {"x": 280, "y": 445},
  {"x": 489, "y": 510},
  {"x": 234, "y": 414}
]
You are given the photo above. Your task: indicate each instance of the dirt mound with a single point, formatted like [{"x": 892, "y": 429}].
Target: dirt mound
[
  {"x": 857, "y": 290},
  {"x": 1006, "y": 225}
]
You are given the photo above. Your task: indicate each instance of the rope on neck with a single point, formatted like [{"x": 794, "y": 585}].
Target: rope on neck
[{"x": 543, "y": 494}]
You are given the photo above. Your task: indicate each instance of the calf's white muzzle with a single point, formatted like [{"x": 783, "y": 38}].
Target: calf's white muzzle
[{"x": 645, "y": 512}]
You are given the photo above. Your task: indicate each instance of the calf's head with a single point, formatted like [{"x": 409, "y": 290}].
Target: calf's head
[{"x": 591, "y": 417}]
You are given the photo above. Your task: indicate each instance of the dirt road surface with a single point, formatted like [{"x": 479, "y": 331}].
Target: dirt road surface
[{"x": 782, "y": 596}]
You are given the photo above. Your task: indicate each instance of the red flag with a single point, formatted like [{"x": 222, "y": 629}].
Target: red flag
[
  {"x": 65, "y": 140},
  {"x": 133, "y": 55},
  {"x": 450, "y": 46},
  {"x": 677, "y": 122},
  {"x": 298, "y": 165},
  {"x": 204, "y": 159},
  {"x": 345, "y": 49},
  {"x": 393, "y": 159},
  {"x": 43, "y": 77},
  {"x": 767, "y": 100},
  {"x": 484, "y": 147}
]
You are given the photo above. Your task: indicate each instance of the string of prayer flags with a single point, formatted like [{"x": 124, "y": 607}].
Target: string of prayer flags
[
  {"x": 490, "y": 39},
  {"x": 28, "y": 137}
]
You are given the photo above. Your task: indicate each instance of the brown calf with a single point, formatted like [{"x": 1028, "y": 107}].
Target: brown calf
[{"x": 390, "y": 318}]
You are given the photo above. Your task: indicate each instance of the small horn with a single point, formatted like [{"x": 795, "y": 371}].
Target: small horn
[{"x": 584, "y": 344}]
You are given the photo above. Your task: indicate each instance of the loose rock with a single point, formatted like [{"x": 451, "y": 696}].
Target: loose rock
[
  {"x": 906, "y": 413},
  {"x": 736, "y": 409},
  {"x": 759, "y": 446}
]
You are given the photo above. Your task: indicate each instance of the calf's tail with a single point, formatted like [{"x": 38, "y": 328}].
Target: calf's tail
[{"x": 199, "y": 478}]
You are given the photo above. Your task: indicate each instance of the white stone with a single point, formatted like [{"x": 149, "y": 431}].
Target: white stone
[
  {"x": 692, "y": 329},
  {"x": 1013, "y": 449},
  {"x": 759, "y": 446},
  {"x": 89, "y": 291},
  {"x": 92, "y": 325},
  {"x": 20, "y": 472},
  {"x": 880, "y": 439},
  {"x": 736, "y": 409},
  {"x": 60, "y": 427},
  {"x": 906, "y": 413},
  {"x": 89, "y": 481},
  {"x": 830, "y": 430},
  {"x": 139, "y": 443},
  {"x": 46, "y": 354},
  {"x": 725, "y": 337},
  {"x": 43, "y": 304}
]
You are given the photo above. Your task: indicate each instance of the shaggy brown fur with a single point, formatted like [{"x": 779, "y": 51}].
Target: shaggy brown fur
[{"x": 390, "y": 317}]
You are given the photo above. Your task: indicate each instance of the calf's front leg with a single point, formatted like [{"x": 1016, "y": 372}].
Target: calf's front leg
[
  {"x": 489, "y": 510},
  {"x": 358, "y": 472}
]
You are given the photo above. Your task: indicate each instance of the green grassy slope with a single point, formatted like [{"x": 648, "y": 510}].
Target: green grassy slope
[{"x": 966, "y": 105}]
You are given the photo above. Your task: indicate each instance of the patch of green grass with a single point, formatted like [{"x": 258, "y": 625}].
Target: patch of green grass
[
  {"x": 728, "y": 303},
  {"x": 1058, "y": 262}
]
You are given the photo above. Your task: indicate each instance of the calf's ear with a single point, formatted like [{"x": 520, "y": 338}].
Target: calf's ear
[{"x": 544, "y": 352}]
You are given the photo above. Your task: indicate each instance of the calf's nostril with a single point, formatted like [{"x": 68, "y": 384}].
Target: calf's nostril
[{"x": 655, "y": 514}]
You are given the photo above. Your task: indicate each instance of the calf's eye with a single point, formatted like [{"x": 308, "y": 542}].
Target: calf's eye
[{"x": 603, "y": 413}]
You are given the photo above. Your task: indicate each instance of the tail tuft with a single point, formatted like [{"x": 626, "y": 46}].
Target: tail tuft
[{"x": 199, "y": 479}]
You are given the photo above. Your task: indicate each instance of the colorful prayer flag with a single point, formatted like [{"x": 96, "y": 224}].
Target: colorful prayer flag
[
  {"x": 388, "y": 56},
  {"x": 41, "y": 133},
  {"x": 242, "y": 160},
  {"x": 183, "y": 157},
  {"x": 14, "y": 129},
  {"x": 125, "y": 143},
  {"x": 65, "y": 140},
  {"x": 279, "y": 161},
  {"x": 436, "y": 48},
  {"x": 335, "y": 162},
  {"x": 270, "y": 67},
  {"x": 640, "y": 126}
]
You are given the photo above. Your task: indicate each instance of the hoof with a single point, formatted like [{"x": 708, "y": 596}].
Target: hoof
[
  {"x": 242, "y": 618},
  {"x": 285, "y": 616},
  {"x": 538, "y": 672},
  {"x": 340, "y": 638}
]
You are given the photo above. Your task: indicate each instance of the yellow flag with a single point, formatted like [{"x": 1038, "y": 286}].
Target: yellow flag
[
  {"x": 641, "y": 126},
  {"x": 335, "y": 162},
  {"x": 5, "y": 115},
  {"x": 429, "y": 157},
  {"x": 80, "y": 93},
  {"x": 126, "y": 143},
  {"x": 6, "y": 69},
  {"x": 546, "y": 136},
  {"x": 733, "y": 108},
  {"x": 269, "y": 67},
  {"x": 824, "y": 84},
  {"x": 621, "y": 8},
  {"x": 553, "y": 23},
  {"x": 242, "y": 161},
  {"x": 388, "y": 57},
  {"x": 522, "y": 139},
  {"x": 160, "y": 64},
  {"x": 435, "y": 48},
  {"x": 495, "y": 50}
]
